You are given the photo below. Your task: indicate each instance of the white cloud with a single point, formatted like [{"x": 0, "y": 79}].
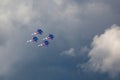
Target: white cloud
[
  {"x": 70, "y": 52},
  {"x": 105, "y": 53}
]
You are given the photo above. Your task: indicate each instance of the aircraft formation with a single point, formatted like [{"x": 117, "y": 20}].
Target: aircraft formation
[{"x": 36, "y": 38}]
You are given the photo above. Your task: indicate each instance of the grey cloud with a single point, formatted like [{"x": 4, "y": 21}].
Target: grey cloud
[
  {"x": 114, "y": 4},
  {"x": 3, "y": 39},
  {"x": 74, "y": 23}
]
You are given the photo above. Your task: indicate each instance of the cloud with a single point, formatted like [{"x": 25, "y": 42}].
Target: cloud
[
  {"x": 72, "y": 22},
  {"x": 13, "y": 15},
  {"x": 70, "y": 52},
  {"x": 104, "y": 55},
  {"x": 84, "y": 50},
  {"x": 17, "y": 19}
]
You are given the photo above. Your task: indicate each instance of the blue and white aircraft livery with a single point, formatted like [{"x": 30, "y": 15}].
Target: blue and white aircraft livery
[{"x": 41, "y": 41}]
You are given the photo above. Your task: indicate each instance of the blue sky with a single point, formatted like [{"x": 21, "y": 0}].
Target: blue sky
[{"x": 86, "y": 44}]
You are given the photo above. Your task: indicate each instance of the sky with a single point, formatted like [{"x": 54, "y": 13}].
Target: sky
[{"x": 86, "y": 44}]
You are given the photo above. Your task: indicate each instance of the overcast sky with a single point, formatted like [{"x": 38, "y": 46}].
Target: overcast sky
[{"x": 86, "y": 44}]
